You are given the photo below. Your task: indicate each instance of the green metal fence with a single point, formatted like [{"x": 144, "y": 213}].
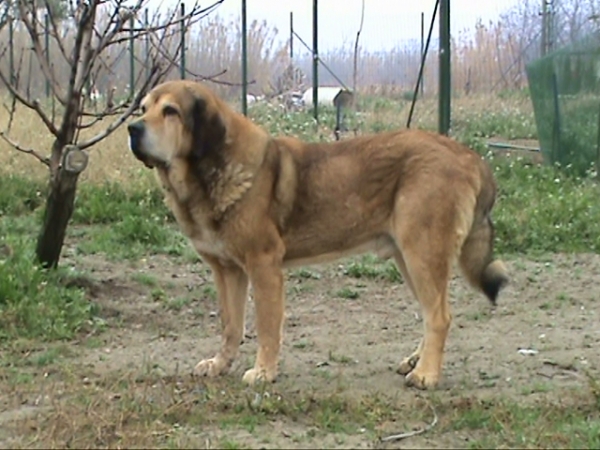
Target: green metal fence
[{"x": 565, "y": 91}]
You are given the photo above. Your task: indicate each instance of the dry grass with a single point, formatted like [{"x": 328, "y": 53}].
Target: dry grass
[
  {"x": 74, "y": 406},
  {"x": 111, "y": 160}
]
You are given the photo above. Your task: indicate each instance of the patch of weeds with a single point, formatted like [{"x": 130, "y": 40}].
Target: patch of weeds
[
  {"x": 348, "y": 293},
  {"x": 49, "y": 356},
  {"x": 340, "y": 359},
  {"x": 305, "y": 274},
  {"x": 371, "y": 267},
  {"x": 178, "y": 303},
  {"x": 301, "y": 288},
  {"x": 506, "y": 423},
  {"x": 594, "y": 384},
  {"x": 477, "y": 315},
  {"x": 134, "y": 237},
  {"x": 541, "y": 209},
  {"x": 209, "y": 291},
  {"x": 302, "y": 344},
  {"x": 158, "y": 294},
  {"x": 93, "y": 342},
  {"x": 113, "y": 202},
  {"x": 536, "y": 388},
  {"x": 38, "y": 303},
  {"x": 20, "y": 195},
  {"x": 546, "y": 306},
  {"x": 228, "y": 444},
  {"x": 145, "y": 279},
  {"x": 509, "y": 124}
]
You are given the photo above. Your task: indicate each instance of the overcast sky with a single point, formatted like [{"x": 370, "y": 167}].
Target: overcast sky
[{"x": 386, "y": 23}]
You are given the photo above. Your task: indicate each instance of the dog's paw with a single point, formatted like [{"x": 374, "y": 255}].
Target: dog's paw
[
  {"x": 423, "y": 381},
  {"x": 258, "y": 375},
  {"x": 408, "y": 364},
  {"x": 212, "y": 367}
]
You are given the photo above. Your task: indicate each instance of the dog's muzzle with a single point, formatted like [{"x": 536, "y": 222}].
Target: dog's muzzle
[{"x": 136, "y": 134}]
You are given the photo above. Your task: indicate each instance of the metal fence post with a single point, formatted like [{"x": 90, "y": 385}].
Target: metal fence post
[
  {"x": 422, "y": 48},
  {"x": 315, "y": 67},
  {"x": 131, "y": 59},
  {"x": 182, "y": 61},
  {"x": 291, "y": 35},
  {"x": 244, "y": 60},
  {"x": 445, "y": 74}
]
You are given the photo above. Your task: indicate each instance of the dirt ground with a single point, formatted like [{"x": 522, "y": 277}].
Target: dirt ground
[{"x": 536, "y": 342}]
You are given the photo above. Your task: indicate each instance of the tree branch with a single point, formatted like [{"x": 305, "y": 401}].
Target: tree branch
[
  {"x": 355, "y": 71},
  {"x": 150, "y": 82},
  {"x": 55, "y": 34},
  {"x": 31, "y": 28},
  {"x": 29, "y": 151},
  {"x": 196, "y": 15},
  {"x": 35, "y": 105}
]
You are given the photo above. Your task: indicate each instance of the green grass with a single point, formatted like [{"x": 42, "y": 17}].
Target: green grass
[
  {"x": 134, "y": 236},
  {"x": 111, "y": 203},
  {"x": 543, "y": 209},
  {"x": 145, "y": 407},
  {"x": 348, "y": 293},
  {"x": 507, "y": 124},
  {"x": 19, "y": 196},
  {"x": 509, "y": 424},
  {"x": 37, "y": 303},
  {"x": 371, "y": 267}
]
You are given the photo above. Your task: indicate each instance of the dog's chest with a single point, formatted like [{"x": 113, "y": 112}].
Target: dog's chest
[
  {"x": 198, "y": 228},
  {"x": 193, "y": 215}
]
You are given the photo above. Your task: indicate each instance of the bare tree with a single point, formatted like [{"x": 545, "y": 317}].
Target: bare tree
[{"x": 100, "y": 27}]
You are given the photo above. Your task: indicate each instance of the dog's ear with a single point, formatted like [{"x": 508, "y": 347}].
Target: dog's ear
[{"x": 208, "y": 130}]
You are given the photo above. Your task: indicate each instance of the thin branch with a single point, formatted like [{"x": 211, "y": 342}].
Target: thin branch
[
  {"x": 212, "y": 78},
  {"x": 13, "y": 99},
  {"x": 400, "y": 436},
  {"x": 119, "y": 20},
  {"x": 107, "y": 112},
  {"x": 28, "y": 151},
  {"x": 355, "y": 71},
  {"x": 35, "y": 105},
  {"x": 31, "y": 28},
  {"x": 55, "y": 34},
  {"x": 150, "y": 82},
  {"x": 196, "y": 15}
]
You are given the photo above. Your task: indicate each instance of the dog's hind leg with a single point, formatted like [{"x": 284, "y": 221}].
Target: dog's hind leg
[
  {"x": 408, "y": 363},
  {"x": 429, "y": 271},
  {"x": 232, "y": 291},
  {"x": 428, "y": 240}
]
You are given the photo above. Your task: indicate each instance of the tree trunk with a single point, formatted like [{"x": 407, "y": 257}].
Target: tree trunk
[{"x": 59, "y": 206}]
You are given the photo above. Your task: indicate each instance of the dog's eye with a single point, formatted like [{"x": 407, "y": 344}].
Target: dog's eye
[{"x": 170, "y": 111}]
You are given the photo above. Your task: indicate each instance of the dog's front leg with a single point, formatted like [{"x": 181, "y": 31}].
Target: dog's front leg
[
  {"x": 232, "y": 291},
  {"x": 266, "y": 276}
]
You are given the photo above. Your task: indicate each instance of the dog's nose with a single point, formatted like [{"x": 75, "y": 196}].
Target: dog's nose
[{"x": 136, "y": 129}]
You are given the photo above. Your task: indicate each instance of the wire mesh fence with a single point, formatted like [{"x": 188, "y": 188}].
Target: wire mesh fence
[
  {"x": 565, "y": 91},
  {"x": 490, "y": 59}
]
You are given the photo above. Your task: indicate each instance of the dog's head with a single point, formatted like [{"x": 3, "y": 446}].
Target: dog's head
[{"x": 180, "y": 119}]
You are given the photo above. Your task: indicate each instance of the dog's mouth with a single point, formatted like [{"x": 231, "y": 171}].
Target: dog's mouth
[
  {"x": 135, "y": 147},
  {"x": 136, "y": 133}
]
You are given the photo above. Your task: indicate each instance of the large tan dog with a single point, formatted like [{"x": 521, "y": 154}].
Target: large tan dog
[{"x": 253, "y": 205}]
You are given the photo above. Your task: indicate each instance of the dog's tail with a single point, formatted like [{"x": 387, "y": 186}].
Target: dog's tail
[{"x": 482, "y": 271}]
